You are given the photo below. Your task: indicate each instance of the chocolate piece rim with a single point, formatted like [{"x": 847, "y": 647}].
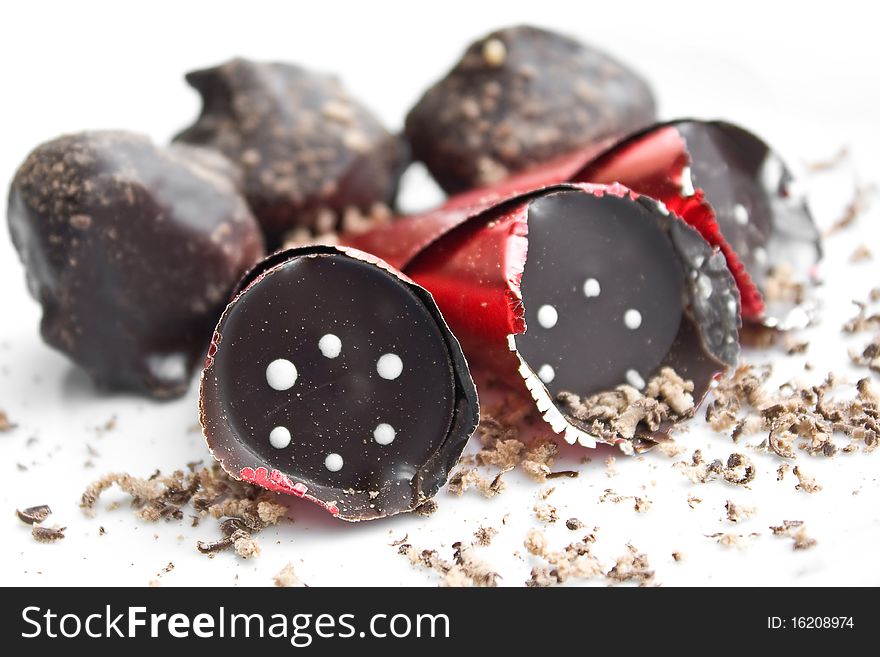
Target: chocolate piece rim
[
  {"x": 555, "y": 418},
  {"x": 466, "y": 414}
]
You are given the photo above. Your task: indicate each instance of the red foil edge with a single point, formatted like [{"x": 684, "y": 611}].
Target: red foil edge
[{"x": 279, "y": 482}]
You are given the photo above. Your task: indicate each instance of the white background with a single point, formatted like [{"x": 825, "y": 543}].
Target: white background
[{"x": 803, "y": 75}]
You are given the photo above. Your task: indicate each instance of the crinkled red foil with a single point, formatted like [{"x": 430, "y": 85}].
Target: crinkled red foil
[{"x": 650, "y": 163}]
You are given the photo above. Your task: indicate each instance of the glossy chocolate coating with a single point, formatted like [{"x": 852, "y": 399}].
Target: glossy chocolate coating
[
  {"x": 519, "y": 97},
  {"x": 305, "y": 145},
  {"x": 360, "y": 441},
  {"x": 132, "y": 251},
  {"x": 632, "y": 290},
  {"x": 750, "y": 191}
]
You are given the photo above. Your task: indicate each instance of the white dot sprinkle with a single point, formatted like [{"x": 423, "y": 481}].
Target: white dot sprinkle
[
  {"x": 760, "y": 256},
  {"x": 687, "y": 183},
  {"x": 704, "y": 284},
  {"x": 632, "y": 318},
  {"x": 384, "y": 434},
  {"x": 333, "y": 462},
  {"x": 740, "y": 214},
  {"x": 389, "y": 366},
  {"x": 592, "y": 288},
  {"x": 330, "y": 345},
  {"x": 635, "y": 379},
  {"x": 546, "y": 373},
  {"x": 547, "y": 316},
  {"x": 279, "y": 437},
  {"x": 281, "y": 374}
]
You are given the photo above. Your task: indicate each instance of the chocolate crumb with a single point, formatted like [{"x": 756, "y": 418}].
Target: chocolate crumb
[
  {"x": 861, "y": 254},
  {"x": 34, "y": 514},
  {"x": 627, "y": 415},
  {"x": 546, "y": 512},
  {"x": 574, "y": 524},
  {"x": 426, "y": 508},
  {"x": 805, "y": 483},
  {"x": 484, "y": 535},
  {"x": 241, "y": 509},
  {"x": 575, "y": 561},
  {"x": 47, "y": 534},
  {"x": 677, "y": 556},
  {"x": 854, "y": 209},
  {"x": 632, "y": 565},
  {"x": 466, "y": 568},
  {"x": 286, "y": 578},
  {"x": 738, "y": 513},
  {"x": 795, "y": 530},
  {"x": 829, "y": 163},
  {"x": 739, "y": 470},
  {"x": 5, "y": 423}
]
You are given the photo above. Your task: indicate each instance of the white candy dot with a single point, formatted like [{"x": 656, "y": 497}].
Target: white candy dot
[
  {"x": 384, "y": 434},
  {"x": 547, "y": 316},
  {"x": 330, "y": 345},
  {"x": 740, "y": 214},
  {"x": 546, "y": 373},
  {"x": 687, "y": 183},
  {"x": 632, "y": 318},
  {"x": 281, "y": 374},
  {"x": 635, "y": 379},
  {"x": 333, "y": 462},
  {"x": 389, "y": 366},
  {"x": 592, "y": 288},
  {"x": 279, "y": 437},
  {"x": 760, "y": 256}
]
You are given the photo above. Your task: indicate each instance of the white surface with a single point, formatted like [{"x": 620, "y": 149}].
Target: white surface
[{"x": 805, "y": 78}]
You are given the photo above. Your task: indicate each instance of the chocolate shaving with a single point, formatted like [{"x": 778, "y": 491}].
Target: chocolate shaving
[
  {"x": 286, "y": 578},
  {"x": 466, "y": 569},
  {"x": 575, "y": 561},
  {"x": 47, "y": 534},
  {"x": 241, "y": 509},
  {"x": 795, "y": 416},
  {"x": 627, "y": 414},
  {"x": 34, "y": 514},
  {"x": 795, "y": 530},
  {"x": 854, "y": 209},
  {"x": 5, "y": 423}
]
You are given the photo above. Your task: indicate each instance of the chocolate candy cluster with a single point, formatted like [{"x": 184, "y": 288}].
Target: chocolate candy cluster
[{"x": 592, "y": 258}]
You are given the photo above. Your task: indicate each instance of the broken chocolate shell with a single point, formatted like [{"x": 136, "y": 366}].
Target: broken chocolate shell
[
  {"x": 580, "y": 289},
  {"x": 522, "y": 96},
  {"x": 765, "y": 226},
  {"x": 132, "y": 250},
  {"x": 308, "y": 150},
  {"x": 335, "y": 378}
]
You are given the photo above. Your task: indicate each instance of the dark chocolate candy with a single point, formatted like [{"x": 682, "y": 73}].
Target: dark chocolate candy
[
  {"x": 578, "y": 287},
  {"x": 309, "y": 151},
  {"x": 132, "y": 251},
  {"x": 518, "y": 97},
  {"x": 335, "y": 378}
]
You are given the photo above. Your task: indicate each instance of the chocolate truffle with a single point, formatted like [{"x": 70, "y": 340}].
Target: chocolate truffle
[
  {"x": 132, "y": 250},
  {"x": 335, "y": 378},
  {"x": 574, "y": 290},
  {"x": 308, "y": 150},
  {"x": 518, "y": 97}
]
